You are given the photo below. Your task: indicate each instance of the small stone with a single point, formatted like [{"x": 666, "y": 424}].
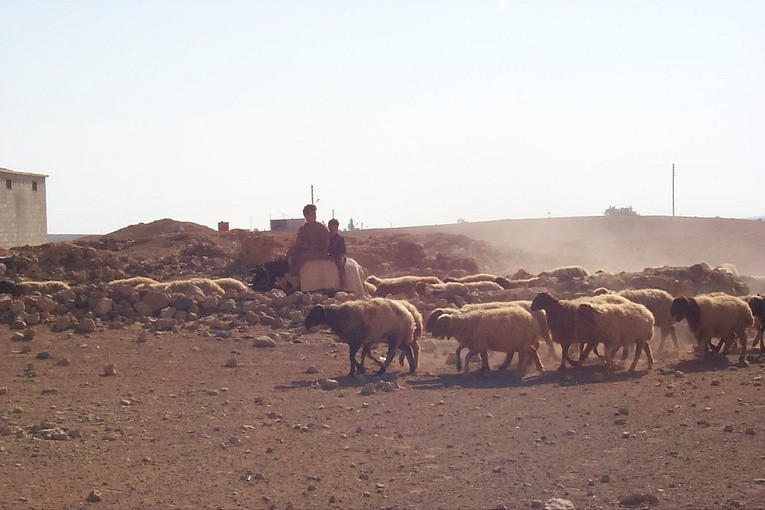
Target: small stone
[
  {"x": 328, "y": 384},
  {"x": 3, "y": 390},
  {"x": 142, "y": 337},
  {"x": 605, "y": 479},
  {"x": 749, "y": 431},
  {"x": 312, "y": 370},
  {"x": 537, "y": 503},
  {"x": 43, "y": 355},
  {"x": 637, "y": 499},
  {"x": 110, "y": 370},
  {"x": 558, "y": 504},
  {"x": 232, "y": 363},
  {"x": 264, "y": 341},
  {"x": 368, "y": 389},
  {"x": 94, "y": 497},
  {"x": 29, "y": 334},
  {"x": 63, "y": 362},
  {"x": 728, "y": 428}
]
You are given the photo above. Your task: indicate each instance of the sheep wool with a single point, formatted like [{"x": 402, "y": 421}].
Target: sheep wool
[
  {"x": 715, "y": 315},
  {"x": 507, "y": 329},
  {"x": 620, "y": 325}
]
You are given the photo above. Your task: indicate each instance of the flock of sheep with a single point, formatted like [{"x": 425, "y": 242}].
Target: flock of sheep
[{"x": 614, "y": 320}]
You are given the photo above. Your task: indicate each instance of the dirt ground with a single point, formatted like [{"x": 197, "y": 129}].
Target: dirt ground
[
  {"x": 181, "y": 425},
  {"x": 176, "y": 428}
]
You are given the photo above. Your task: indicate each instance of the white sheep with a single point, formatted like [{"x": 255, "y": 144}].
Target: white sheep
[
  {"x": 478, "y": 277},
  {"x": 231, "y": 284},
  {"x": 714, "y": 315},
  {"x": 415, "y": 346},
  {"x": 620, "y": 325},
  {"x": 363, "y": 321},
  {"x": 44, "y": 287},
  {"x": 539, "y": 315},
  {"x": 658, "y": 301},
  {"x": 399, "y": 285},
  {"x": 507, "y": 329},
  {"x": 207, "y": 286}
]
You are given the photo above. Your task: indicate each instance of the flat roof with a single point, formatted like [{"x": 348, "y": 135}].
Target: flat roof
[{"x": 28, "y": 174}]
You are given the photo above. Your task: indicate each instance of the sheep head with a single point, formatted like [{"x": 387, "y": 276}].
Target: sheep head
[
  {"x": 685, "y": 308},
  {"x": 544, "y": 301},
  {"x": 757, "y": 305},
  {"x": 316, "y": 316},
  {"x": 443, "y": 326},
  {"x": 434, "y": 315},
  {"x": 503, "y": 282},
  {"x": 588, "y": 312}
]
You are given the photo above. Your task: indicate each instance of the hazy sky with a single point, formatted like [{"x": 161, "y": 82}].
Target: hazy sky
[{"x": 397, "y": 112}]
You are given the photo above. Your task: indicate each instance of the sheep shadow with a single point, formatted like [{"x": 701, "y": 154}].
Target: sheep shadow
[
  {"x": 575, "y": 376},
  {"x": 344, "y": 381},
  {"x": 712, "y": 363}
]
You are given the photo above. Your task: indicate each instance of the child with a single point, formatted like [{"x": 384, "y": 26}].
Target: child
[{"x": 337, "y": 248}]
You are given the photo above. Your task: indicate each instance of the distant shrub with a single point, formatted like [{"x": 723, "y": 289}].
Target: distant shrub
[{"x": 620, "y": 211}]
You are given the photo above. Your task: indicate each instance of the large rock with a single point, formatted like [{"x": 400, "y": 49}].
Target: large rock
[
  {"x": 156, "y": 300},
  {"x": 103, "y": 307}
]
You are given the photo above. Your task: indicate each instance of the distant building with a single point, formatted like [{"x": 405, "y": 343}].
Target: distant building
[
  {"x": 23, "y": 209},
  {"x": 287, "y": 224}
]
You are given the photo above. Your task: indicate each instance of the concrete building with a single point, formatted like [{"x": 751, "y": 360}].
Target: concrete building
[{"x": 23, "y": 209}]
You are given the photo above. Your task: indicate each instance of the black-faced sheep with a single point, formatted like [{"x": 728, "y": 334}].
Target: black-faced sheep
[
  {"x": 566, "y": 326},
  {"x": 563, "y": 319},
  {"x": 620, "y": 325},
  {"x": 715, "y": 315},
  {"x": 507, "y": 329},
  {"x": 757, "y": 306},
  {"x": 362, "y": 322}
]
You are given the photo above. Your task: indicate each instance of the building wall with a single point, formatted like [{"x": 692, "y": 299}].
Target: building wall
[{"x": 23, "y": 209}]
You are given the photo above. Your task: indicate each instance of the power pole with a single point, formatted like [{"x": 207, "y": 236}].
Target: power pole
[
  {"x": 673, "y": 190},
  {"x": 312, "y": 193}
]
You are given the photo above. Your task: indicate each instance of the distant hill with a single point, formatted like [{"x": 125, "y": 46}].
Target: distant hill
[{"x": 60, "y": 238}]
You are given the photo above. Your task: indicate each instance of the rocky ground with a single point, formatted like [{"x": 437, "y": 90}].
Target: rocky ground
[{"x": 125, "y": 399}]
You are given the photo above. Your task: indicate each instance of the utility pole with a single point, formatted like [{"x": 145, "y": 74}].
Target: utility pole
[
  {"x": 312, "y": 194},
  {"x": 673, "y": 190}
]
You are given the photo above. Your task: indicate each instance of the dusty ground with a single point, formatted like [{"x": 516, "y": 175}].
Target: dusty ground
[{"x": 176, "y": 428}]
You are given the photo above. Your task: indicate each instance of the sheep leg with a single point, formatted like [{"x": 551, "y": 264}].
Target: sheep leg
[
  {"x": 742, "y": 343},
  {"x": 564, "y": 356},
  {"x": 389, "y": 356},
  {"x": 353, "y": 349},
  {"x": 584, "y": 352},
  {"x": 407, "y": 351},
  {"x": 468, "y": 357},
  {"x": 366, "y": 352},
  {"x": 625, "y": 352},
  {"x": 638, "y": 349},
  {"x": 508, "y": 360},
  {"x": 758, "y": 338},
  {"x": 458, "y": 352},
  {"x": 531, "y": 355},
  {"x": 551, "y": 349},
  {"x": 485, "y": 360}
]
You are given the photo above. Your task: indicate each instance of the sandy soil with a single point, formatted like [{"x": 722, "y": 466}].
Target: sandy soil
[{"x": 176, "y": 428}]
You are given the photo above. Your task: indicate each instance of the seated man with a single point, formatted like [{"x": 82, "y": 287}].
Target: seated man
[
  {"x": 337, "y": 248},
  {"x": 311, "y": 242}
]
